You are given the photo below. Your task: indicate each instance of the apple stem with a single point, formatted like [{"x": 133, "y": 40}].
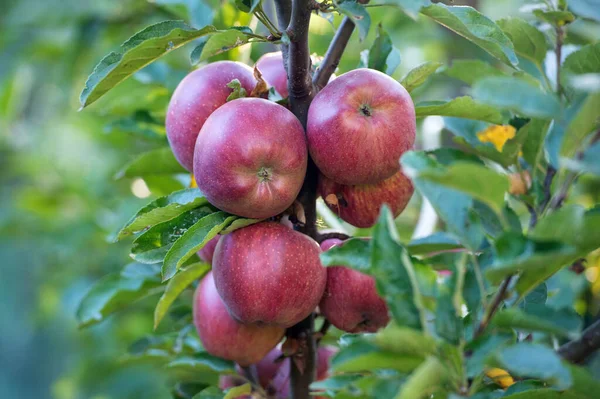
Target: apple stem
[{"x": 293, "y": 18}]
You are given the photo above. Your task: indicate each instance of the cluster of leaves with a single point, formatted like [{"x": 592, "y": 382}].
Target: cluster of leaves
[{"x": 447, "y": 333}]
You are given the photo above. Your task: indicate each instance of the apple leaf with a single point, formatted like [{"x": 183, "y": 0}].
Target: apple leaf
[
  {"x": 239, "y": 391},
  {"x": 162, "y": 209},
  {"x": 470, "y": 71},
  {"x": 247, "y": 6},
  {"x": 202, "y": 367},
  {"x": 460, "y": 107},
  {"x": 534, "y": 361},
  {"x": 418, "y": 75},
  {"x": 410, "y": 7},
  {"x": 193, "y": 240},
  {"x": 138, "y": 51},
  {"x": 517, "y": 95},
  {"x": 380, "y": 54},
  {"x": 565, "y": 323},
  {"x": 153, "y": 244},
  {"x": 354, "y": 253},
  {"x": 363, "y": 355},
  {"x": 587, "y": 162},
  {"x": 358, "y": 14},
  {"x": 482, "y": 348},
  {"x": 209, "y": 393},
  {"x": 476, "y": 27},
  {"x": 238, "y": 224},
  {"x": 117, "y": 291},
  {"x": 218, "y": 43},
  {"x": 176, "y": 286},
  {"x": 529, "y": 42},
  {"x": 586, "y": 8},
  {"x": 436, "y": 242},
  {"x": 155, "y": 162},
  {"x": 429, "y": 377},
  {"x": 585, "y": 60},
  {"x": 554, "y": 18}
]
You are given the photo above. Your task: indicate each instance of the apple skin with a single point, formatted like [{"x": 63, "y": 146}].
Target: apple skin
[
  {"x": 250, "y": 158},
  {"x": 359, "y": 125},
  {"x": 268, "y": 273},
  {"x": 273, "y": 72},
  {"x": 208, "y": 250},
  {"x": 225, "y": 337},
  {"x": 359, "y": 205},
  {"x": 351, "y": 302},
  {"x": 197, "y": 96}
]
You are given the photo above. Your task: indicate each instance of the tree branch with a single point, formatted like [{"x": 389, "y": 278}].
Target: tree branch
[
  {"x": 494, "y": 306},
  {"x": 334, "y": 53},
  {"x": 577, "y": 351},
  {"x": 283, "y": 8}
]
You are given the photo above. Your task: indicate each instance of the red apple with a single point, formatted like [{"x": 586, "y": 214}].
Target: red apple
[
  {"x": 269, "y": 274},
  {"x": 358, "y": 127},
  {"x": 225, "y": 337},
  {"x": 273, "y": 72},
  {"x": 250, "y": 158},
  {"x": 351, "y": 302},
  {"x": 359, "y": 205},
  {"x": 196, "y": 97},
  {"x": 207, "y": 251}
]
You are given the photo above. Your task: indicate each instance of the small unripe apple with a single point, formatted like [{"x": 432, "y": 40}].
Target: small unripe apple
[
  {"x": 269, "y": 274},
  {"x": 358, "y": 127},
  {"x": 225, "y": 337},
  {"x": 359, "y": 205},
  {"x": 208, "y": 250},
  {"x": 273, "y": 72},
  {"x": 250, "y": 158},
  {"x": 351, "y": 302},
  {"x": 195, "y": 98}
]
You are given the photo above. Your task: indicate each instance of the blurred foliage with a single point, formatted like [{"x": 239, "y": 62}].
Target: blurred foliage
[{"x": 65, "y": 192}]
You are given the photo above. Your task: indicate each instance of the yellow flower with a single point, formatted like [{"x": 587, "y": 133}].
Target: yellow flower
[
  {"x": 500, "y": 377},
  {"x": 498, "y": 135}
]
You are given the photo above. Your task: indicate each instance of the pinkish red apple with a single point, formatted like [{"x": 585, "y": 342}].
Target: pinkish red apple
[
  {"x": 359, "y": 205},
  {"x": 351, "y": 302},
  {"x": 273, "y": 72},
  {"x": 250, "y": 158},
  {"x": 358, "y": 127},
  {"x": 197, "y": 96},
  {"x": 269, "y": 274},
  {"x": 225, "y": 337},
  {"x": 207, "y": 251}
]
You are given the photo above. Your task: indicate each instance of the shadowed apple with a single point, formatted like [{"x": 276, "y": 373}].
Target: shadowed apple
[
  {"x": 225, "y": 337},
  {"x": 250, "y": 158},
  {"x": 359, "y": 205},
  {"x": 359, "y": 125},
  {"x": 207, "y": 251},
  {"x": 351, "y": 302},
  {"x": 273, "y": 72},
  {"x": 197, "y": 96},
  {"x": 268, "y": 273}
]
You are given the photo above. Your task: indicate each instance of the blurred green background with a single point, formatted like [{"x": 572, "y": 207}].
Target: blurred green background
[{"x": 61, "y": 200}]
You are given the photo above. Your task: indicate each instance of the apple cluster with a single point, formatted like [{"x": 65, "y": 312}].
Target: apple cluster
[{"x": 249, "y": 157}]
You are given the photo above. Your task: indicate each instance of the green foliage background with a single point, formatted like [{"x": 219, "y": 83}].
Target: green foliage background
[{"x": 64, "y": 193}]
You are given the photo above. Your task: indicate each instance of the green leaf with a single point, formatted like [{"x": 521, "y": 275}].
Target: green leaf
[
  {"x": 354, "y": 253},
  {"x": 586, "y": 8},
  {"x": 247, "y": 6},
  {"x": 448, "y": 323},
  {"x": 428, "y": 378},
  {"x": 515, "y": 253},
  {"x": 365, "y": 356},
  {"x": 335, "y": 383},
  {"x": 380, "y": 51},
  {"x": 555, "y": 18},
  {"x": 585, "y": 60},
  {"x": 535, "y": 131},
  {"x": 564, "y": 323},
  {"x": 152, "y": 245},
  {"x": 529, "y": 42},
  {"x": 117, "y": 291},
  {"x": 476, "y": 27},
  {"x": 436, "y": 242},
  {"x": 517, "y": 95},
  {"x": 410, "y": 7},
  {"x": 155, "y": 162},
  {"x": 200, "y": 367},
  {"x": 543, "y": 393},
  {"x": 176, "y": 286},
  {"x": 418, "y": 75},
  {"x": 162, "y": 209},
  {"x": 460, "y": 107},
  {"x": 236, "y": 392},
  {"x": 394, "y": 274},
  {"x": 585, "y": 121},
  {"x": 359, "y": 15},
  {"x": 221, "y": 42},
  {"x": 477, "y": 181},
  {"x": 138, "y": 51},
  {"x": 237, "y": 90},
  {"x": 209, "y": 393},
  {"x": 405, "y": 341},
  {"x": 482, "y": 348},
  {"x": 140, "y": 124},
  {"x": 588, "y": 162},
  {"x": 537, "y": 361},
  {"x": 193, "y": 240},
  {"x": 470, "y": 71}
]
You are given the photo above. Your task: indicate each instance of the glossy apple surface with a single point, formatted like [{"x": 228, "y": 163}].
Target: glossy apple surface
[
  {"x": 250, "y": 158},
  {"x": 273, "y": 72},
  {"x": 359, "y": 125},
  {"x": 197, "y": 96}
]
